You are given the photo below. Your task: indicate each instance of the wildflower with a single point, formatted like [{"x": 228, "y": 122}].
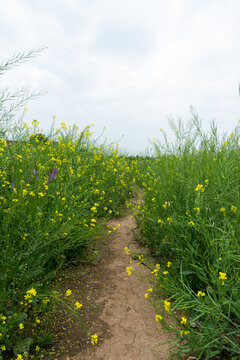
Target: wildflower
[
  {"x": 183, "y": 321},
  {"x": 41, "y": 194},
  {"x": 234, "y": 209},
  {"x": 146, "y": 295},
  {"x": 222, "y": 209},
  {"x": 158, "y": 317},
  {"x": 52, "y": 175},
  {"x": 129, "y": 270},
  {"x": 199, "y": 188},
  {"x": 165, "y": 272},
  {"x": 222, "y": 276},
  {"x": 200, "y": 293},
  {"x": 170, "y": 220},
  {"x": 94, "y": 339},
  {"x": 78, "y": 305},
  {"x": 3, "y": 348},
  {"x": 37, "y": 321},
  {"x": 197, "y": 210},
  {"x": 126, "y": 249},
  {"x": 93, "y": 220},
  {"x": 160, "y": 221},
  {"x": 37, "y": 348},
  {"x": 68, "y": 292},
  {"x": 21, "y": 326},
  {"x": 150, "y": 289},
  {"x": 167, "y": 306},
  {"x": 32, "y": 292},
  {"x": 206, "y": 182},
  {"x": 157, "y": 266},
  {"x": 184, "y": 333},
  {"x": 169, "y": 264},
  {"x": 191, "y": 223}
]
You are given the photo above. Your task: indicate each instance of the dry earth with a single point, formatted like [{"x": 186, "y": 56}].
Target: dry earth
[{"x": 132, "y": 332}]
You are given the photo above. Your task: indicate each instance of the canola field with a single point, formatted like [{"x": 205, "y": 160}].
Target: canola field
[{"x": 57, "y": 193}]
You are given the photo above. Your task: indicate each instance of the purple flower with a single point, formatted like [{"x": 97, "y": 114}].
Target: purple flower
[
  {"x": 52, "y": 174},
  {"x": 11, "y": 186},
  {"x": 35, "y": 173}
]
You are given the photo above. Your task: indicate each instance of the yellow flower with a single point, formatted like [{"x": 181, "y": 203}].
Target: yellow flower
[
  {"x": 37, "y": 348},
  {"x": 78, "y": 305},
  {"x": 165, "y": 272},
  {"x": 222, "y": 276},
  {"x": 68, "y": 292},
  {"x": 40, "y": 194},
  {"x": 169, "y": 264},
  {"x": 183, "y": 321},
  {"x": 150, "y": 289},
  {"x": 21, "y": 326},
  {"x": 3, "y": 348},
  {"x": 167, "y": 306},
  {"x": 126, "y": 249},
  {"x": 184, "y": 333},
  {"x": 32, "y": 292},
  {"x": 146, "y": 295},
  {"x": 197, "y": 210},
  {"x": 129, "y": 270},
  {"x": 170, "y": 220},
  {"x": 199, "y": 188},
  {"x": 94, "y": 339},
  {"x": 222, "y": 209},
  {"x": 200, "y": 293},
  {"x": 234, "y": 209},
  {"x": 158, "y": 317},
  {"x": 191, "y": 223}
]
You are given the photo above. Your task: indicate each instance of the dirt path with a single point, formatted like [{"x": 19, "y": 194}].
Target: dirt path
[{"x": 130, "y": 318}]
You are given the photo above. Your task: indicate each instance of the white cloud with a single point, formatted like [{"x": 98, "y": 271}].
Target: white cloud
[{"x": 127, "y": 64}]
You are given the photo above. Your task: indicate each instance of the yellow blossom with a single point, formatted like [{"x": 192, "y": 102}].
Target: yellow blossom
[
  {"x": 68, "y": 292},
  {"x": 78, "y": 305},
  {"x": 199, "y": 188},
  {"x": 158, "y": 317},
  {"x": 94, "y": 339},
  {"x": 167, "y": 306},
  {"x": 183, "y": 321}
]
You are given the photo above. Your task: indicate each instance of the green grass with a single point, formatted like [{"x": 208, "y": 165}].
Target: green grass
[
  {"x": 190, "y": 218},
  {"x": 55, "y": 196}
]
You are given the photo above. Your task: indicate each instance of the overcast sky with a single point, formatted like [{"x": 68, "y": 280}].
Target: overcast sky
[{"x": 127, "y": 64}]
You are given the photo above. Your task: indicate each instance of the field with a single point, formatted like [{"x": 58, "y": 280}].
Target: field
[
  {"x": 56, "y": 195},
  {"x": 58, "y": 191}
]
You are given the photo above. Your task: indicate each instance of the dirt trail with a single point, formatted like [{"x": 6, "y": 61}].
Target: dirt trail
[{"x": 133, "y": 333}]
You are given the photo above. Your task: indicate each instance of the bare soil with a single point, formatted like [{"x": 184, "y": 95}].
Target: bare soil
[{"x": 114, "y": 307}]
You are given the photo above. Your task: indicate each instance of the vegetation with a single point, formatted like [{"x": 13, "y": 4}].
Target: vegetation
[
  {"x": 190, "y": 221},
  {"x": 58, "y": 190}
]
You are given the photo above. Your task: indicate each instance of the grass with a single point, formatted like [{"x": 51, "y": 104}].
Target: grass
[
  {"x": 190, "y": 221},
  {"x": 55, "y": 196}
]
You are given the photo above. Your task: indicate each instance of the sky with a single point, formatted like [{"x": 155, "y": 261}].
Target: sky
[{"x": 126, "y": 65}]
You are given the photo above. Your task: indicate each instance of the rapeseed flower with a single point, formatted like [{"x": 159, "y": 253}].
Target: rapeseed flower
[
  {"x": 94, "y": 339},
  {"x": 184, "y": 320},
  {"x": 158, "y": 317},
  {"x": 78, "y": 305},
  {"x": 199, "y": 187},
  {"x": 167, "y": 306},
  {"x": 68, "y": 292}
]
